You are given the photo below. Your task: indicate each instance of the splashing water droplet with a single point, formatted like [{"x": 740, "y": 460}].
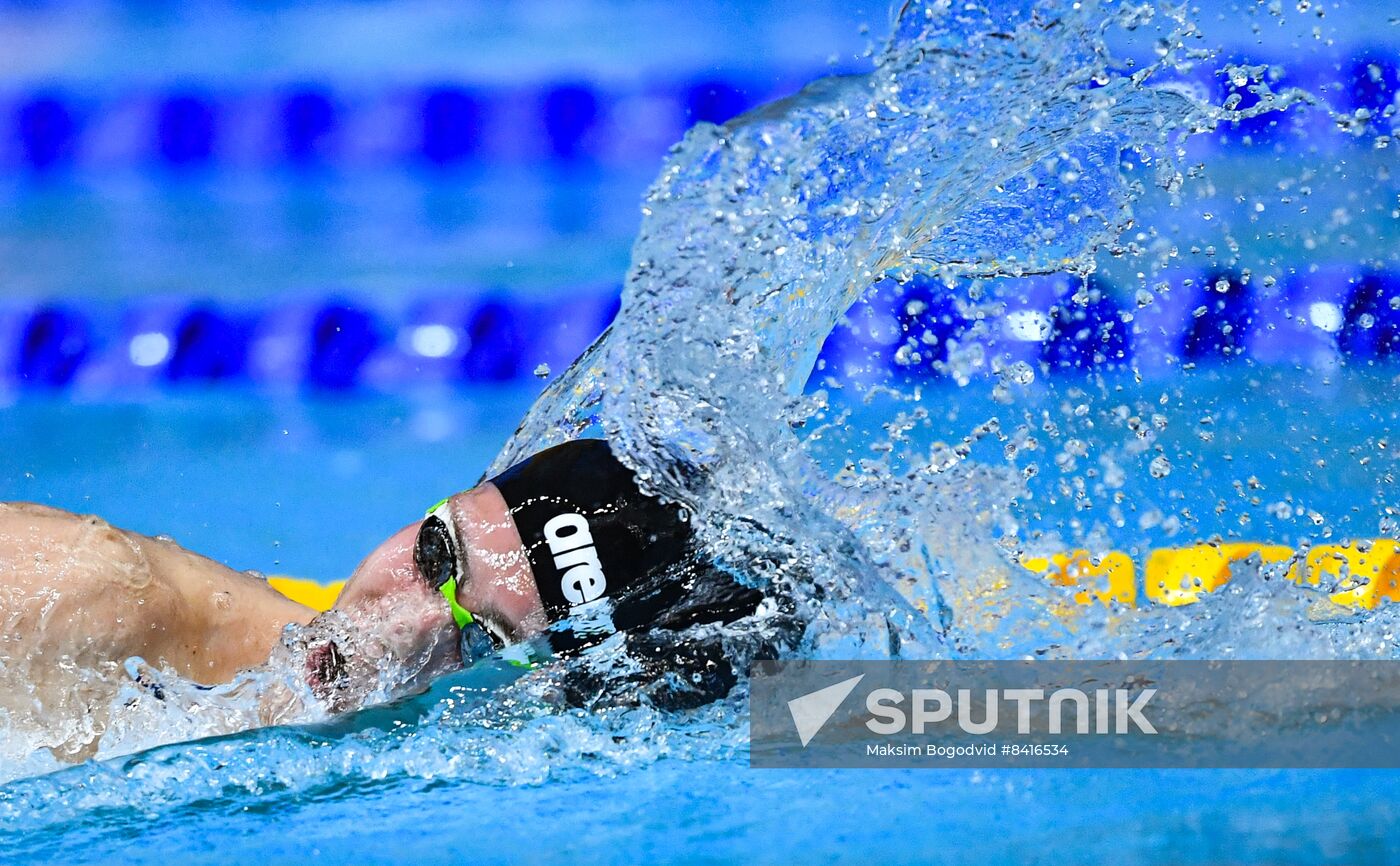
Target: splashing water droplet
[{"x": 1160, "y": 467}]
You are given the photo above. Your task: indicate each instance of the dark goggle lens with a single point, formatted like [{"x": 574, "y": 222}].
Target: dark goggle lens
[{"x": 434, "y": 554}]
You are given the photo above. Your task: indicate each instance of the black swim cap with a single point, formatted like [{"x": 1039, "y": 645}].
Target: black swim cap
[{"x": 588, "y": 531}]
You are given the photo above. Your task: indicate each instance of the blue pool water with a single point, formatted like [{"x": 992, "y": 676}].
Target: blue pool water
[
  {"x": 250, "y": 474},
  {"x": 442, "y": 188},
  {"x": 720, "y": 811}
]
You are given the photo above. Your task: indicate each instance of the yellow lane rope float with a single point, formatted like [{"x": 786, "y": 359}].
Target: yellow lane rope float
[
  {"x": 1364, "y": 573},
  {"x": 1360, "y": 574}
]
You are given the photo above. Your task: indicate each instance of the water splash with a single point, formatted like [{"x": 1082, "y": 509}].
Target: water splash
[{"x": 984, "y": 144}]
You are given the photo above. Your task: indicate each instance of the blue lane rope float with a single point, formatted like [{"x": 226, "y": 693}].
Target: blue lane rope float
[
  {"x": 342, "y": 339},
  {"x": 47, "y": 130},
  {"x": 309, "y": 121},
  {"x": 186, "y": 129},
  {"x": 1222, "y": 318},
  {"x": 1087, "y": 333},
  {"x": 1371, "y": 319},
  {"x": 52, "y": 345},
  {"x": 1057, "y": 324},
  {"x": 570, "y": 112},
  {"x": 57, "y": 127},
  {"x": 451, "y": 123}
]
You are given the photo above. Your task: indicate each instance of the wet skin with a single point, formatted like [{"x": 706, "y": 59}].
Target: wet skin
[{"x": 78, "y": 595}]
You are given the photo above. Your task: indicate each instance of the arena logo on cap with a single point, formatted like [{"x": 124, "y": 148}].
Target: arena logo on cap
[{"x": 571, "y": 543}]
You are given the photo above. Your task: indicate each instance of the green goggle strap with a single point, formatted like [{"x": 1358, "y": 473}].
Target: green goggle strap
[{"x": 460, "y": 615}]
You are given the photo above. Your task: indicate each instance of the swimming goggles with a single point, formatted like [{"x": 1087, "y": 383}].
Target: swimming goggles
[{"x": 437, "y": 554}]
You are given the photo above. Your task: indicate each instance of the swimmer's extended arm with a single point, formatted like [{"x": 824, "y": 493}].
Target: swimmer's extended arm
[{"x": 75, "y": 588}]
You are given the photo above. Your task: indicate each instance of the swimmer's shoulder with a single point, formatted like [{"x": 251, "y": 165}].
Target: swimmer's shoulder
[
  {"x": 75, "y": 582},
  {"x": 61, "y": 547}
]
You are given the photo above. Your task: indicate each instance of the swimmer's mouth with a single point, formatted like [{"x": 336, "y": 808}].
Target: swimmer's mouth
[{"x": 326, "y": 671}]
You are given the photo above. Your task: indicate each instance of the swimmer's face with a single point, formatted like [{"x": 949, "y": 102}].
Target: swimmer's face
[{"x": 399, "y": 614}]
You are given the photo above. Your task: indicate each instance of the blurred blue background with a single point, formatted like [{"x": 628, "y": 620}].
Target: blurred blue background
[
  {"x": 267, "y": 152},
  {"x": 260, "y": 255}
]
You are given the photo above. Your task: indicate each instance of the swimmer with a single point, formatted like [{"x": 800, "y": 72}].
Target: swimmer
[{"x": 553, "y": 556}]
